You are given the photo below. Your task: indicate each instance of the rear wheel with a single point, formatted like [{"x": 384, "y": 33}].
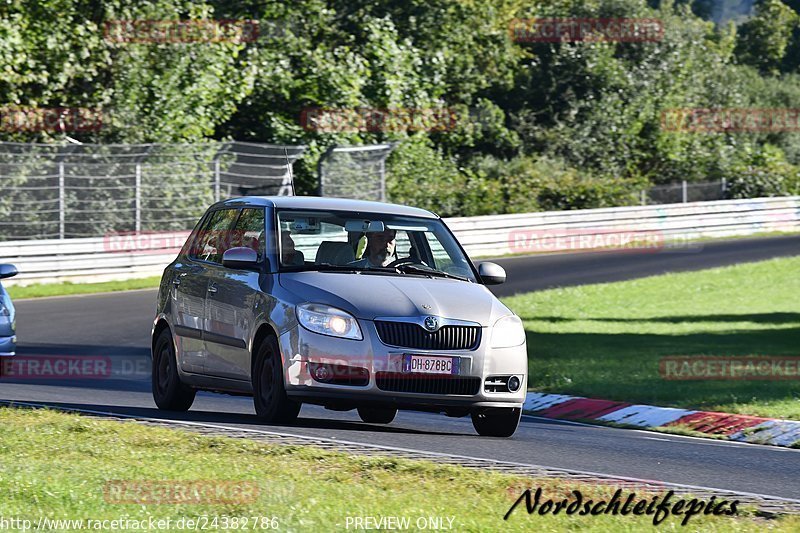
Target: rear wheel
[
  {"x": 168, "y": 391},
  {"x": 377, "y": 415},
  {"x": 269, "y": 393},
  {"x": 496, "y": 422}
]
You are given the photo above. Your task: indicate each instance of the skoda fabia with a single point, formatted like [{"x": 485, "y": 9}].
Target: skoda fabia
[{"x": 341, "y": 303}]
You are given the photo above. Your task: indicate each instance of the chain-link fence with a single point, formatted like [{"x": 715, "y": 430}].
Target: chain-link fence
[
  {"x": 357, "y": 172},
  {"x": 89, "y": 190},
  {"x": 683, "y": 192}
]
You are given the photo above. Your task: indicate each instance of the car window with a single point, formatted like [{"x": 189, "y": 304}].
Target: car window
[
  {"x": 250, "y": 231},
  {"x": 441, "y": 258},
  {"x": 300, "y": 244},
  {"x": 215, "y": 236},
  {"x": 402, "y": 244},
  {"x": 310, "y": 239}
]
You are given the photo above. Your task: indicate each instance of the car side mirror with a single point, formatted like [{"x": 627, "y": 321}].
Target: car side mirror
[
  {"x": 8, "y": 271},
  {"x": 491, "y": 273},
  {"x": 240, "y": 258}
]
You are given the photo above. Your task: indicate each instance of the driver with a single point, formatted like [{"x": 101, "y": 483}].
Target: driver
[{"x": 380, "y": 249}]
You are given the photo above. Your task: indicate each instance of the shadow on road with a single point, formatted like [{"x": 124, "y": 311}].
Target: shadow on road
[{"x": 239, "y": 419}]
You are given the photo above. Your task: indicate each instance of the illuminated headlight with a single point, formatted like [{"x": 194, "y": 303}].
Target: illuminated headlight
[
  {"x": 327, "y": 320},
  {"x": 508, "y": 332}
]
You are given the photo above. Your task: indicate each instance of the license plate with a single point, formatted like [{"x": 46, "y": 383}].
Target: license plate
[{"x": 430, "y": 364}]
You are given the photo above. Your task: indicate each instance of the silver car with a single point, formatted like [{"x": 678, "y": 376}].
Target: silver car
[
  {"x": 341, "y": 303},
  {"x": 8, "y": 335}
]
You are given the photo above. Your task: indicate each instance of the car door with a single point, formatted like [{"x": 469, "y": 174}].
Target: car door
[
  {"x": 231, "y": 302},
  {"x": 190, "y": 286}
]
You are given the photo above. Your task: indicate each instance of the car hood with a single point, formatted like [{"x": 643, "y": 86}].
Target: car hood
[{"x": 367, "y": 296}]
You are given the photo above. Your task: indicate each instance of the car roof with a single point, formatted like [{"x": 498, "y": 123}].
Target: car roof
[{"x": 333, "y": 204}]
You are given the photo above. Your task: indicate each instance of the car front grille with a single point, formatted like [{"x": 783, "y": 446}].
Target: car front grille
[
  {"x": 427, "y": 383},
  {"x": 409, "y": 335}
]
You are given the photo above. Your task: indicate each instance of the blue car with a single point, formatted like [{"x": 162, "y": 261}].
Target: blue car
[{"x": 8, "y": 336}]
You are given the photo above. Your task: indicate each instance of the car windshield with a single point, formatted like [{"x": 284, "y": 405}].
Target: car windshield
[{"x": 369, "y": 242}]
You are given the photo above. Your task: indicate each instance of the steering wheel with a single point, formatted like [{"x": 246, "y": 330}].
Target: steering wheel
[{"x": 400, "y": 261}]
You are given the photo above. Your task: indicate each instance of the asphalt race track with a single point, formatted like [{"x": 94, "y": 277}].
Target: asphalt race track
[
  {"x": 560, "y": 270},
  {"x": 117, "y": 326}
]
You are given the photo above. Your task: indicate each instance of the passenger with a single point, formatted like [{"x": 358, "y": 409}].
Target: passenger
[{"x": 289, "y": 255}]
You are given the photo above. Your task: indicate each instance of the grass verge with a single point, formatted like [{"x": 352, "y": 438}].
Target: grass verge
[
  {"x": 67, "y": 288},
  {"x": 58, "y": 465},
  {"x": 606, "y": 340}
]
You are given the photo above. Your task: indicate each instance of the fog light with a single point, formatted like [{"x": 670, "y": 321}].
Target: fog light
[
  {"x": 323, "y": 373},
  {"x": 514, "y": 383}
]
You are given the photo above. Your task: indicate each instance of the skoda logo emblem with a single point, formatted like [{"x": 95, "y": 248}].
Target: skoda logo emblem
[{"x": 431, "y": 323}]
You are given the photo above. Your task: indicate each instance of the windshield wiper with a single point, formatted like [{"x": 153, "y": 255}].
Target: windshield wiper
[
  {"x": 330, "y": 267},
  {"x": 410, "y": 268}
]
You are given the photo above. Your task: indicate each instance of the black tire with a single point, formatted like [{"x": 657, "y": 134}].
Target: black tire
[
  {"x": 269, "y": 393},
  {"x": 498, "y": 422},
  {"x": 168, "y": 391},
  {"x": 377, "y": 415}
]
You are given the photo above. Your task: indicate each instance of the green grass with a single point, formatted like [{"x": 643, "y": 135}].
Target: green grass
[
  {"x": 57, "y": 465},
  {"x": 605, "y": 340},
  {"x": 67, "y": 288}
]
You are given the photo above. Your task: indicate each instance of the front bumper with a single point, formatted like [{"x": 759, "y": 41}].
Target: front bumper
[
  {"x": 8, "y": 346},
  {"x": 299, "y": 347}
]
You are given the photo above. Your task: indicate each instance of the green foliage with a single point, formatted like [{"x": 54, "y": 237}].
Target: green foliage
[
  {"x": 539, "y": 125},
  {"x": 765, "y": 38},
  {"x": 545, "y": 184},
  {"x": 765, "y": 174},
  {"x": 422, "y": 176}
]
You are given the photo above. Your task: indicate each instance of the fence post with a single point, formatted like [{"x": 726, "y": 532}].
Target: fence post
[
  {"x": 383, "y": 180},
  {"x": 685, "y": 192},
  {"x": 137, "y": 191},
  {"x": 643, "y": 196},
  {"x": 62, "y": 200},
  {"x": 216, "y": 180},
  {"x": 724, "y": 187},
  {"x": 321, "y": 169}
]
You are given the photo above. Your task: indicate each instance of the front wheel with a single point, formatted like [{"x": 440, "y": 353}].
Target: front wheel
[
  {"x": 377, "y": 415},
  {"x": 269, "y": 393},
  {"x": 496, "y": 422},
  {"x": 168, "y": 391}
]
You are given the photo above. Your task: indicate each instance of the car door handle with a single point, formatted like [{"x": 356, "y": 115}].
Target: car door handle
[
  {"x": 176, "y": 282},
  {"x": 212, "y": 289}
]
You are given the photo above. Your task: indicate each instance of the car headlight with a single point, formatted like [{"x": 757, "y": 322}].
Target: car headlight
[
  {"x": 507, "y": 332},
  {"x": 3, "y": 309},
  {"x": 327, "y": 320}
]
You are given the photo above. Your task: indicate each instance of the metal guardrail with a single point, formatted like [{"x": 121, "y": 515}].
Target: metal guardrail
[
  {"x": 128, "y": 256},
  {"x": 668, "y": 225}
]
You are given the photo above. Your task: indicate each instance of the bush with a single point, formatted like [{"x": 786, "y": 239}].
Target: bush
[
  {"x": 422, "y": 176},
  {"x": 765, "y": 173},
  {"x": 758, "y": 182},
  {"x": 544, "y": 184}
]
